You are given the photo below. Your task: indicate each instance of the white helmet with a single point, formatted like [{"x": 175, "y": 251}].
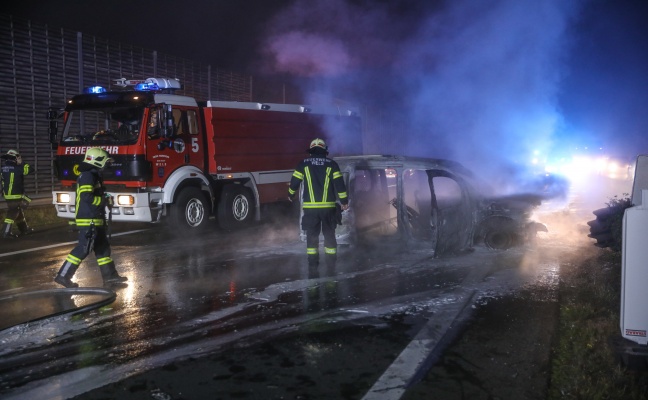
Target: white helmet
[
  {"x": 11, "y": 155},
  {"x": 318, "y": 144}
]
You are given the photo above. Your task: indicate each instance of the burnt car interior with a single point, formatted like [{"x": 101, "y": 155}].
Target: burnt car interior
[
  {"x": 431, "y": 201},
  {"x": 424, "y": 205}
]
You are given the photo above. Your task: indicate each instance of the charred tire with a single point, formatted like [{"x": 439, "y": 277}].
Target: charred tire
[
  {"x": 498, "y": 240},
  {"x": 190, "y": 210},
  {"x": 499, "y": 234},
  {"x": 235, "y": 208}
]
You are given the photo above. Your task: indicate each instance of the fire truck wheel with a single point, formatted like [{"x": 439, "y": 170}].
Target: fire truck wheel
[
  {"x": 235, "y": 208},
  {"x": 190, "y": 210}
]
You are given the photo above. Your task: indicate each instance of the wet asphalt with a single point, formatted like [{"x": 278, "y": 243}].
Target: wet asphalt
[{"x": 237, "y": 315}]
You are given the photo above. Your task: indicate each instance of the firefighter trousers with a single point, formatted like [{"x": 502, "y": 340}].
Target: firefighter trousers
[
  {"x": 90, "y": 238},
  {"x": 15, "y": 210},
  {"x": 314, "y": 222},
  {"x": 88, "y": 242},
  {"x": 16, "y": 214}
]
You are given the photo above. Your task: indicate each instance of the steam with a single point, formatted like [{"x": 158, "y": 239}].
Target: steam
[{"x": 473, "y": 81}]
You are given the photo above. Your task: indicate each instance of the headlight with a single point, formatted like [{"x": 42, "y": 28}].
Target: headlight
[
  {"x": 125, "y": 200},
  {"x": 63, "y": 198}
]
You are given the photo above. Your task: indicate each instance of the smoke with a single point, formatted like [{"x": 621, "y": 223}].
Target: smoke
[
  {"x": 473, "y": 81},
  {"x": 490, "y": 79},
  {"x": 305, "y": 54}
]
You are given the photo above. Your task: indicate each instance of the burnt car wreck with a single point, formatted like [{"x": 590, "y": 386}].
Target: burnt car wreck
[{"x": 432, "y": 200}]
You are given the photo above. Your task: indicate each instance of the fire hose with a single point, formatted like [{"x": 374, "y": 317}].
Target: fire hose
[{"x": 48, "y": 303}]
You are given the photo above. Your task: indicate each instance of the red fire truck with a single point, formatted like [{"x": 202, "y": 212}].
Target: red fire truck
[{"x": 186, "y": 160}]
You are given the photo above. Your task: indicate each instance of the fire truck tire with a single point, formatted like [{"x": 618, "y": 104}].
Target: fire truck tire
[
  {"x": 235, "y": 209},
  {"x": 190, "y": 209}
]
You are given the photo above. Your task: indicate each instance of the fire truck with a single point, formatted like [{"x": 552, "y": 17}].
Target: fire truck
[{"x": 185, "y": 160}]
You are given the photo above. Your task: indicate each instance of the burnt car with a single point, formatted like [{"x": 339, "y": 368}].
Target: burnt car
[{"x": 433, "y": 200}]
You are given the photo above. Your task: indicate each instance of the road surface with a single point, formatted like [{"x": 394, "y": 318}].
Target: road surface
[{"x": 383, "y": 313}]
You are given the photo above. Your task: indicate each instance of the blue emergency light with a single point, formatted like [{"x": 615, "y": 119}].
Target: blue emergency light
[
  {"x": 95, "y": 89},
  {"x": 147, "y": 86}
]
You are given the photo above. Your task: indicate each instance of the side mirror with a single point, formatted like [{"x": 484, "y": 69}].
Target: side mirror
[
  {"x": 52, "y": 114},
  {"x": 167, "y": 128},
  {"x": 52, "y": 130}
]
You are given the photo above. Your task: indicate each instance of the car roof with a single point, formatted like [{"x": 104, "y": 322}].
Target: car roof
[{"x": 398, "y": 162}]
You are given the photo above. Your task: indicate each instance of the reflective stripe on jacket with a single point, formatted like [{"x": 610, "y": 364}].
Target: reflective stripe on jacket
[
  {"x": 90, "y": 194},
  {"x": 323, "y": 182},
  {"x": 13, "y": 183}
]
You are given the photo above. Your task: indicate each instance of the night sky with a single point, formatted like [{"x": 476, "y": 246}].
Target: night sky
[{"x": 500, "y": 77}]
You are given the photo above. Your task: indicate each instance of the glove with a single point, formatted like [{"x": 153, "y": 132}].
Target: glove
[{"x": 109, "y": 200}]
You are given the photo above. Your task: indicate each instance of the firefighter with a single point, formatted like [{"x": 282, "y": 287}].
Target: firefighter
[
  {"x": 13, "y": 189},
  {"x": 91, "y": 203},
  {"x": 153, "y": 131},
  {"x": 323, "y": 183}
]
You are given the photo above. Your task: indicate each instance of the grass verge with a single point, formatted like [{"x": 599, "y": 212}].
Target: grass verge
[
  {"x": 584, "y": 363},
  {"x": 39, "y": 216}
]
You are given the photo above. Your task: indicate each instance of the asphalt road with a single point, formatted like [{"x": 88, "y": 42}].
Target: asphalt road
[{"x": 199, "y": 303}]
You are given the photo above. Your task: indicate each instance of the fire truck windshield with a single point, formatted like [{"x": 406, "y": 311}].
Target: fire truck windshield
[{"x": 103, "y": 125}]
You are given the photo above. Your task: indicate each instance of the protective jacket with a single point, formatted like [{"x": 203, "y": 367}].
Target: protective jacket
[
  {"x": 13, "y": 184},
  {"x": 90, "y": 198},
  {"x": 322, "y": 180}
]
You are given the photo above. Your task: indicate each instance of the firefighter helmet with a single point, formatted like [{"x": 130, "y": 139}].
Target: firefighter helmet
[
  {"x": 318, "y": 144},
  {"x": 11, "y": 155},
  {"x": 97, "y": 157}
]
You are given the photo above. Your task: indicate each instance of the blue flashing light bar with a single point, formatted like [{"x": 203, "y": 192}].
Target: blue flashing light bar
[
  {"x": 95, "y": 89},
  {"x": 147, "y": 86}
]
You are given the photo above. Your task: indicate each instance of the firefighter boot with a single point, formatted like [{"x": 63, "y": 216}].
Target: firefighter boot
[
  {"x": 313, "y": 271},
  {"x": 110, "y": 275},
  {"x": 313, "y": 260},
  {"x": 331, "y": 260},
  {"x": 24, "y": 229},
  {"x": 6, "y": 231},
  {"x": 65, "y": 274},
  {"x": 313, "y": 264}
]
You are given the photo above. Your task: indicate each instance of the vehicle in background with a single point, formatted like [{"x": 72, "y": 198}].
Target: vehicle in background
[
  {"x": 186, "y": 160},
  {"x": 607, "y": 228}
]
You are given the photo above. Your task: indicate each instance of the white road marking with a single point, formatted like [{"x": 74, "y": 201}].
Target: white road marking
[
  {"x": 62, "y": 244},
  {"x": 398, "y": 376}
]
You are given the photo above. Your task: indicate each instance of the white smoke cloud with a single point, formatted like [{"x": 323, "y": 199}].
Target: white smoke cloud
[
  {"x": 305, "y": 54},
  {"x": 488, "y": 74},
  {"x": 474, "y": 81},
  {"x": 336, "y": 37}
]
